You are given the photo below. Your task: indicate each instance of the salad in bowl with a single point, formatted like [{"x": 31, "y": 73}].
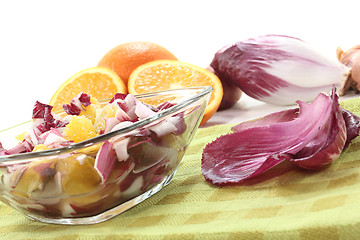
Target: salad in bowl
[{"x": 96, "y": 159}]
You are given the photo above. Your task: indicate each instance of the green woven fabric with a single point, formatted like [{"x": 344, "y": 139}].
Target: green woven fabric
[{"x": 285, "y": 203}]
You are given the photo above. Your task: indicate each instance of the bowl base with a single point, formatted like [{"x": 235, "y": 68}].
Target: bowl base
[{"x": 107, "y": 214}]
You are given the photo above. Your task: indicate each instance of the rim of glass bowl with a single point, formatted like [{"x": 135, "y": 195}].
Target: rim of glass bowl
[{"x": 92, "y": 141}]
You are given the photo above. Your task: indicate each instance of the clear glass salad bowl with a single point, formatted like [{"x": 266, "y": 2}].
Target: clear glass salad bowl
[{"x": 49, "y": 186}]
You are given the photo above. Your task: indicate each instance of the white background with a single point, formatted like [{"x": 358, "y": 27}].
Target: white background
[{"x": 43, "y": 43}]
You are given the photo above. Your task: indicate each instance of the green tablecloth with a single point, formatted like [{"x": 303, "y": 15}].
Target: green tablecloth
[{"x": 295, "y": 204}]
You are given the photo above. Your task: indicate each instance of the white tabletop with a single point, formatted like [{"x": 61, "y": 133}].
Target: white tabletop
[{"x": 43, "y": 43}]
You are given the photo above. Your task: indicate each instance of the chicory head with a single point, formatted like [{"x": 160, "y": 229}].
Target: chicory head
[{"x": 279, "y": 69}]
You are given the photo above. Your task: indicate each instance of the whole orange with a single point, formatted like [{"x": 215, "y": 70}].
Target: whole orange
[{"x": 124, "y": 58}]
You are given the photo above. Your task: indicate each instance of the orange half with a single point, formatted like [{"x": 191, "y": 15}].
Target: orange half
[
  {"x": 99, "y": 82},
  {"x": 172, "y": 74}
]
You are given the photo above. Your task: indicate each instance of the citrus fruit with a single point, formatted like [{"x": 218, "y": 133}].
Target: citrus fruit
[
  {"x": 108, "y": 111},
  {"x": 231, "y": 93},
  {"x": 80, "y": 129},
  {"x": 29, "y": 181},
  {"x": 171, "y": 74},
  {"x": 78, "y": 174},
  {"x": 124, "y": 58},
  {"x": 99, "y": 82}
]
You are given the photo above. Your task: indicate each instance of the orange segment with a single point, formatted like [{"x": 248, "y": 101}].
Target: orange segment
[
  {"x": 79, "y": 129},
  {"x": 99, "y": 82},
  {"x": 78, "y": 174},
  {"x": 171, "y": 74}
]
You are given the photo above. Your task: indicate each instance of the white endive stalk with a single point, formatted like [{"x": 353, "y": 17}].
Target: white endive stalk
[{"x": 279, "y": 69}]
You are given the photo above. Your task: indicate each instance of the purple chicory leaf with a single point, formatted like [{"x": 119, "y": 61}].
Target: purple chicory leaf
[
  {"x": 41, "y": 110},
  {"x": 327, "y": 144},
  {"x": 122, "y": 125},
  {"x": 121, "y": 148},
  {"x": 164, "y": 127},
  {"x": 120, "y": 96},
  {"x": 148, "y": 155},
  {"x": 257, "y": 146},
  {"x": 71, "y": 109},
  {"x": 34, "y": 136},
  {"x": 85, "y": 99},
  {"x": 44, "y": 118},
  {"x": 123, "y": 169},
  {"x": 277, "y": 117},
  {"x": 129, "y": 106},
  {"x": 25, "y": 146},
  {"x": 179, "y": 123},
  {"x": 142, "y": 111},
  {"x": 77, "y": 104},
  {"x": 164, "y": 105},
  {"x": 54, "y": 139},
  {"x": 352, "y": 123},
  {"x": 51, "y": 131},
  {"x": 127, "y": 103},
  {"x": 279, "y": 69},
  {"x": 105, "y": 160},
  {"x": 121, "y": 115},
  {"x": 226, "y": 160},
  {"x": 2, "y": 150},
  {"x": 110, "y": 123}
]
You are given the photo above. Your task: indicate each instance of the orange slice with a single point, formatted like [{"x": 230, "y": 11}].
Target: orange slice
[
  {"x": 172, "y": 74},
  {"x": 99, "y": 82}
]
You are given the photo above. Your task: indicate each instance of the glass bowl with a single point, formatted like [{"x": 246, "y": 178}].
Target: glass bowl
[{"x": 61, "y": 185}]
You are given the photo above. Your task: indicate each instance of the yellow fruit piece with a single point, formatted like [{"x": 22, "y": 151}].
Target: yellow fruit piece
[
  {"x": 78, "y": 175},
  {"x": 79, "y": 129},
  {"x": 107, "y": 111},
  {"x": 99, "y": 82},
  {"x": 31, "y": 180},
  {"x": 21, "y": 136},
  {"x": 40, "y": 147},
  {"x": 77, "y": 172},
  {"x": 91, "y": 150},
  {"x": 90, "y": 111},
  {"x": 171, "y": 74}
]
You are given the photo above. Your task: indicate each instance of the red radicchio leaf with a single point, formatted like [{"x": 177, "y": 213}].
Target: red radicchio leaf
[
  {"x": 71, "y": 109},
  {"x": 328, "y": 143},
  {"x": 121, "y": 115},
  {"x": 123, "y": 168},
  {"x": 2, "y": 150},
  {"x": 227, "y": 161},
  {"x": 77, "y": 103},
  {"x": 142, "y": 111},
  {"x": 41, "y": 110},
  {"x": 120, "y": 96},
  {"x": 25, "y": 146},
  {"x": 313, "y": 132},
  {"x": 85, "y": 99},
  {"x": 164, "y": 105},
  {"x": 352, "y": 123},
  {"x": 18, "y": 148},
  {"x": 282, "y": 116},
  {"x": 110, "y": 123},
  {"x": 105, "y": 160}
]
